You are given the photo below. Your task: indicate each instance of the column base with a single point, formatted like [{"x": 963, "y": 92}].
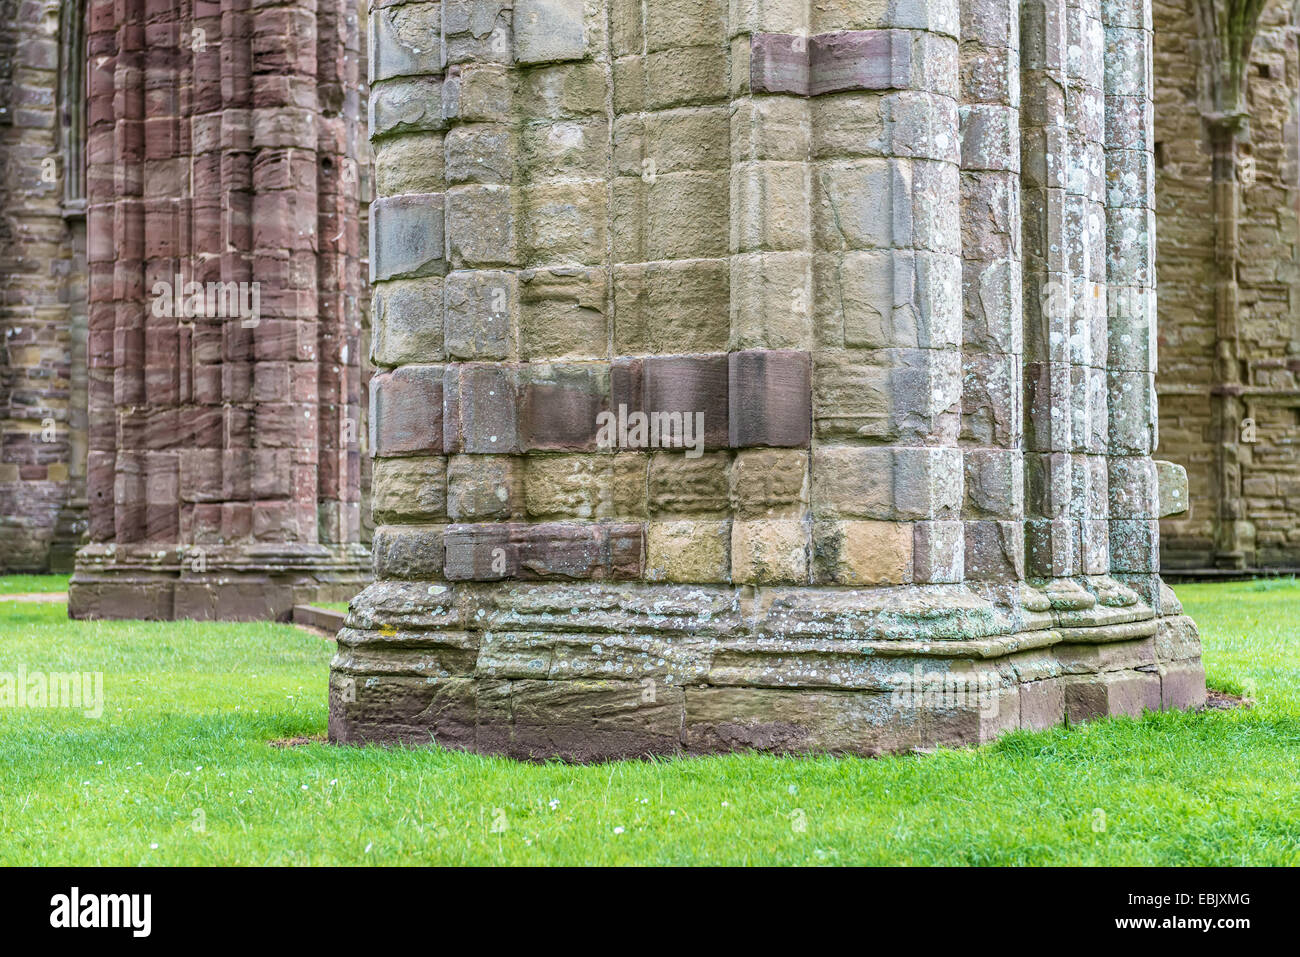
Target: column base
[
  {"x": 226, "y": 583},
  {"x": 601, "y": 672}
]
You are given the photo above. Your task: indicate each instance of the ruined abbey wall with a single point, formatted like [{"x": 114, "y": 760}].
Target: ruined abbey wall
[
  {"x": 1229, "y": 351},
  {"x": 42, "y": 291}
]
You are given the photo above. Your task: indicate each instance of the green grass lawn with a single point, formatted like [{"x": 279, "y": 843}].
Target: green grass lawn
[
  {"x": 31, "y": 584},
  {"x": 180, "y": 770}
]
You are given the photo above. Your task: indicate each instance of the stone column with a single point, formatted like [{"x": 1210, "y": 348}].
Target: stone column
[
  {"x": 223, "y": 469},
  {"x": 1049, "y": 539},
  {"x": 759, "y": 218},
  {"x": 993, "y": 332},
  {"x": 1140, "y": 490}
]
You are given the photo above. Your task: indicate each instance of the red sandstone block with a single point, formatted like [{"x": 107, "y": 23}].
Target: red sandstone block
[
  {"x": 560, "y": 405},
  {"x": 129, "y": 496},
  {"x": 101, "y": 16},
  {"x": 99, "y": 336},
  {"x": 406, "y": 411},
  {"x": 779, "y": 63},
  {"x": 995, "y": 551},
  {"x": 128, "y": 386},
  {"x": 160, "y": 134},
  {"x": 201, "y": 427},
  {"x": 560, "y": 551},
  {"x": 206, "y": 523},
  {"x": 690, "y": 385},
  {"x": 303, "y": 380},
  {"x": 769, "y": 398},
  {"x": 207, "y": 383},
  {"x": 129, "y": 138},
  {"x": 274, "y": 338},
  {"x": 270, "y": 475},
  {"x": 238, "y": 426},
  {"x": 236, "y": 381},
  {"x": 626, "y": 551},
  {"x": 283, "y": 425},
  {"x": 236, "y": 521},
  {"x": 100, "y": 469},
  {"x": 201, "y": 476},
  {"x": 205, "y": 173},
  {"x": 162, "y": 385},
  {"x": 236, "y": 477},
  {"x": 274, "y": 521},
  {"x": 546, "y": 551},
  {"x": 480, "y": 406},
  {"x": 270, "y": 380}
]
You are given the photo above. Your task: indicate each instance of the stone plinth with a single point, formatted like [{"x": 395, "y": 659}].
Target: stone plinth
[
  {"x": 224, "y": 380},
  {"x": 899, "y": 287}
]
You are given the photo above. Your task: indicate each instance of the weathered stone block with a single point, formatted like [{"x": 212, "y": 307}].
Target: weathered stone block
[
  {"x": 898, "y": 484},
  {"x": 481, "y": 226},
  {"x": 408, "y": 490},
  {"x": 480, "y": 305},
  {"x": 541, "y": 552},
  {"x": 679, "y": 485},
  {"x": 409, "y": 552},
  {"x": 405, "y": 40},
  {"x": 769, "y": 551},
  {"x": 481, "y": 488},
  {"x": 789, "y": 721},
  {"x": 1133, "y": 487},
  {"x": 480, "y": 153},
  {"x": 1182, "y": 684},
  {"x": 769, "y": 483},
  {"x": 770, "y": 299},
  {"x": 585, "y": 487},
  {"x": 549, "y": 30},
  {"x": 406, "y": 236},
  {"x": 410, "y": 164},
  {"x": 1110, "y": 694},
  {"x": 938, "y": 552},
  {"x": 769, "y": 208},
  {"x": 862, "y": 552},
  {"x": 406, "y": 105},
  {"x": 995, "y": 551},
  {"x": 604, "y": 720},
  {"x": 407, "y": 318},
  {"x": 476, "y": 31},
  {"x": 1172, "y": 488},
  {"x": 671, "y": 307},
  {"x": 477, "y": 92},
  {"x": 688, "y": 551},
  {"x": 565, "y": 221},
  {"x": 562, "y": 313}
]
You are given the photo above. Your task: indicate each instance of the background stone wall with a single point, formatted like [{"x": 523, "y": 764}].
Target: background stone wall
[
  {"x": 1266, "y": 483},
  {"x": 42, "y": 300}
]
